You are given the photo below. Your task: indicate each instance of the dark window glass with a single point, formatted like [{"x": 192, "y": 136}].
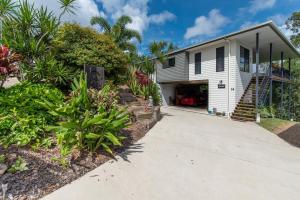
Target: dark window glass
[
  {"x": 244, "y": 59},
  {"x": 198, "y": 63},
  {"x": 170, "y": 63},
  {"x": 220, "y": 59}
]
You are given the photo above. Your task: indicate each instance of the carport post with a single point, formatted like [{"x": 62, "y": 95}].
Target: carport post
[
  {"x": 257, "y": 63},
  {"x": 281, "y": 58},
  {"x": 271, "y": 71}
]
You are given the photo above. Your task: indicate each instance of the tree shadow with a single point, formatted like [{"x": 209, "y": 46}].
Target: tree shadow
[
  {"x": 291, "y": 135},
  {"x": 135, "y": 148}
]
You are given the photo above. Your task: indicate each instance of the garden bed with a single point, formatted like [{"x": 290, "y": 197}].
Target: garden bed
[{"x": 44, "y": 175}]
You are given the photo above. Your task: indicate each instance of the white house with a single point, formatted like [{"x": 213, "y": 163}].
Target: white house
[{"x": 222, "y": 67}]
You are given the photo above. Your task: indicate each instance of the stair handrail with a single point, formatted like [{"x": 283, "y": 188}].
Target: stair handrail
[{"x": 262, "y": 93}]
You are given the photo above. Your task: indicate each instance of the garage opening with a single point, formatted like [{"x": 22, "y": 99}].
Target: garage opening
[{"x": 192, "y": 95}]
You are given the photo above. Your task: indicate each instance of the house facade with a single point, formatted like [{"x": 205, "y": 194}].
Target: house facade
[{"x": 226, "y": 66}]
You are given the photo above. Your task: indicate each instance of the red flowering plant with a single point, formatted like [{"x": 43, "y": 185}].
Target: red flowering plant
[
  {"x": 8, "y": 64},
  {"x": 143, "y": 79}
]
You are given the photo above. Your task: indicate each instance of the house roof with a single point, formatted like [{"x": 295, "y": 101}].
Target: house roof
[{"x": 228, "y": 36}]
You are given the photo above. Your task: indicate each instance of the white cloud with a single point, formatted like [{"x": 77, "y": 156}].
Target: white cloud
[
  {"x": 259, "y": 5},
  {"x": 85, "y": 9},
  {"x": 138, "y": 10},
  {"x": 278, "y": 19},
  {"x": 162, "y": 17},
  {"x": 248, "y": 24},
  {"x": 207, "y": 26}
]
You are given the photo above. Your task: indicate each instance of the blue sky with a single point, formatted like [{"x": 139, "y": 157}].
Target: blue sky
[{"x": 183, "y": 22}]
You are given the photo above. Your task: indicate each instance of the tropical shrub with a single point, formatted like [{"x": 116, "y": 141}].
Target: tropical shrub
[
  {"x": 8, "y": 64},
  {"x": 78, "y": 46},
  {"x": 49, "y": 70},
  {"x": 29, "y": 31},
  {"x": 105, "y": 99},
  {"x": 84, "y": 127},
  {"x": 22, "y": 119},
  {"x": 141, "y": 85}
]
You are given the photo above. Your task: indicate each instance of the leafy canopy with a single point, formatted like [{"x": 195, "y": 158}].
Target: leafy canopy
[
  {"x": 119, "y": 32},
  {"x": 77, "y": 46}
]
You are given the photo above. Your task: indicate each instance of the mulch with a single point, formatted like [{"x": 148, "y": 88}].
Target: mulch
[
  {"x": 46, "y": 175},
  {"x": 291, "y": 135}
]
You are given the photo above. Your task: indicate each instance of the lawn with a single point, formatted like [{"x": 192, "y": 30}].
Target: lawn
[{"x": 275, "y": 125}]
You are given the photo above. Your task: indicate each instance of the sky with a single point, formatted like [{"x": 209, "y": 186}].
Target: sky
[{"x": 183, "y": 22}]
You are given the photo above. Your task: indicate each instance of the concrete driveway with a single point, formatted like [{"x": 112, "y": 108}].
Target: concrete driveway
[{"x": 194, "y": 156}]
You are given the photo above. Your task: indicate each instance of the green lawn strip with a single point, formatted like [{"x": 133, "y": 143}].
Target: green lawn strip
[{"x": 273, "y": 124}]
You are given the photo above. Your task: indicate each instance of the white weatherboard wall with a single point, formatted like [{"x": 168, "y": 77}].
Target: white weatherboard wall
[
  {"x": 218, "y": 98},
  {"x": 167, "y": 92},
  {"x": 224, "y": 100},
  {"x": 177, "y": 73}
]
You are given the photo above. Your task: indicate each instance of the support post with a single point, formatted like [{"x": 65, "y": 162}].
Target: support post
[
  {"x": 271, "y": 74},
  {"x": 281, "y": 58},
  {"x": 257, "y": 63},
  {"x": 290, "y": 89}
]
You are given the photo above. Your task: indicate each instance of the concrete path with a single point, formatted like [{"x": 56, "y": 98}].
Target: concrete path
[{"x": 191, "y": 156}]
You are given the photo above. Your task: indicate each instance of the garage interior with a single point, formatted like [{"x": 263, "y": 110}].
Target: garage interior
[{"x": 191, "y": 95}]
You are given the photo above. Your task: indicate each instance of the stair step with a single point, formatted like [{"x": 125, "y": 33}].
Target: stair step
[
  {"x": 247, "y": 105},
  {"x": 243, "y": 119},
  {"x": 246, "y": 115}
]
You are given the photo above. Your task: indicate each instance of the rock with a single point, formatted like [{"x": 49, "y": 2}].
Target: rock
[
  {"x": 3, "y": 169},
  {"x": 12, "y": 156}
]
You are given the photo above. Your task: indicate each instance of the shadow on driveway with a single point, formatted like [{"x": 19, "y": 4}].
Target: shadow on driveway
[{"x": 292, "y": 135}]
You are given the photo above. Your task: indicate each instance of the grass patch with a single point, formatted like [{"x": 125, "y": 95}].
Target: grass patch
[{"x": 272, "y": 124}]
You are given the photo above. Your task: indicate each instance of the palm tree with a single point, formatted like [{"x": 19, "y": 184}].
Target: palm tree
[
  {"x": 159, "y": 49},
  {"x": 120, "y": 34},
  {"x": 6, "y": 8}
]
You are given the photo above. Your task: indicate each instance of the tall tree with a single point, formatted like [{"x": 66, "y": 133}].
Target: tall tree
[
  {"x": 293, "y": 23},
  {"x": 160, "y": 48},
  {"x": 119, "y": 32}
]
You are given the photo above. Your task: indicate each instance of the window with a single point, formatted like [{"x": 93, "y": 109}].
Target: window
[
  {"x": 244, "y": 59},
  {"x": 169, "y": 63},
  {"x": 220, "y": 59},
  {"x": 198, "y": 63}
]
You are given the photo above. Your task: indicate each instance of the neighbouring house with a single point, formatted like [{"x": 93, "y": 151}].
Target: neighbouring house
[{"x": 230, "y": 74}]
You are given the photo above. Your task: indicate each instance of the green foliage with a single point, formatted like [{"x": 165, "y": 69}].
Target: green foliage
[
  {"x": 104, "y": 99},
  {"x": 29, "y": 31},
  {"x": 2, "y": 159},
  {"x": 20, "y": 165},
  {"x": 267, "y": 112},
  {"x": 85, "y": 127},
  {"x": 77, "y": 46},
  {"x": 22, "y": 118},
  {"x": 119, "y": 32},
  {"x": 272, "y": 124},
  {"x": 155, "y": 94},
  {"x": 160, "y": 48},
  {"x": 293, "y": 23},
  {"x": 49, "y": 70},
  {"x": 145, "y": 91}
]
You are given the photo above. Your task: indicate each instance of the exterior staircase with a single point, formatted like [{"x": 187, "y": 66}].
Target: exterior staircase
[{"x": 245, "y": 109}]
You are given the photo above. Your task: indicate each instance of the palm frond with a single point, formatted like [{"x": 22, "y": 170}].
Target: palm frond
[
  {"x": 67, "y": 6},
  {"x": 102, "y": 22},
  {"x": 123, "y": 21},
  {"x": 6, "y": 7},
  {"x": 130, "y": 34}
]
